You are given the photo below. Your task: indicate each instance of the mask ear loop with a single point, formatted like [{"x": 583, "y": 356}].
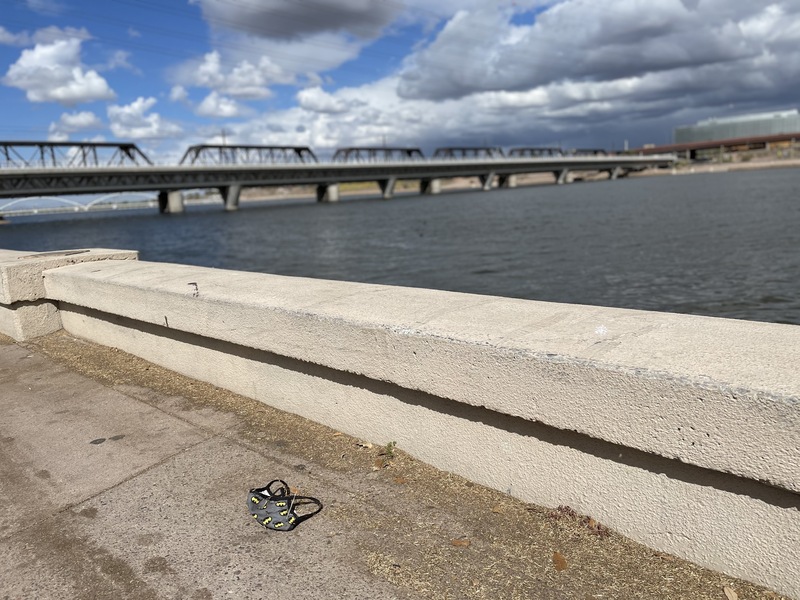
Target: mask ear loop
[
  {"x": 283, "y": 490},
  {"x": 303, "y": 501}
]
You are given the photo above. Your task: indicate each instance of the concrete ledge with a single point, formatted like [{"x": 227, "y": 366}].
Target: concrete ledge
[
  {"x": 681, "y": 432},
  {"x": 702, "y": 390},
  {"x": 24, "y": 314},
  {"x": 21, "y": 272},
  {"x": 27, "y": 320}
]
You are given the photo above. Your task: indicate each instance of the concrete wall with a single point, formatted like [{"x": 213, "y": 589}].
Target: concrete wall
[
  {"x": 681, "y": 432},
  {"x": 25, "y": 312}
]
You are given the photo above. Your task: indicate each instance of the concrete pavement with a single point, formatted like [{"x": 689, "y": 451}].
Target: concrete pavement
[{"x": 124, "y": 480}]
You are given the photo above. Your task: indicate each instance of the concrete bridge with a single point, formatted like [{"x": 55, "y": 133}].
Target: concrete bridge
[{"x": 231, "y": 168}]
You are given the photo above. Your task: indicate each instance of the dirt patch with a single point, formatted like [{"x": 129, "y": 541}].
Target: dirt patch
[{"x": 431, "y": 534}]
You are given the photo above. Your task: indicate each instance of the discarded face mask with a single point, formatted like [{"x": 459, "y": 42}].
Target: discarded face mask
[{"x": 277, "y": 508}]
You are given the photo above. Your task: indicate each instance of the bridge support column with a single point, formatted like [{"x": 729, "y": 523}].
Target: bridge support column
[
  {"x": 170, "y": 202},
  {"x": 616, "y": 173},
  {"x": 430, "y": 186},
  {"x": 387, "y": 187},
  {"x": 562, "y": 176},
  {"x": 487, "y": 181},
  {"x": 507, "y": 181},
  {"x": 230, "y": 195},
  {"x": 328, "y": 192}
]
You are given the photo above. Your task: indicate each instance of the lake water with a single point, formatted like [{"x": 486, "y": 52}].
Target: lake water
[{"x": 724, "y": 244}]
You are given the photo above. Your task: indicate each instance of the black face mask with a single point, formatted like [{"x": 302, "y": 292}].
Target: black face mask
[{"x": 277, "y": 508}]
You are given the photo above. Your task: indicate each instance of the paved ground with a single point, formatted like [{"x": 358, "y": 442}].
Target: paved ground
[{"x": 123, "y": 480}]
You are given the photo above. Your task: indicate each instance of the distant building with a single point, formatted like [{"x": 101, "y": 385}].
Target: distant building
[{"x": 745, "y": 126}]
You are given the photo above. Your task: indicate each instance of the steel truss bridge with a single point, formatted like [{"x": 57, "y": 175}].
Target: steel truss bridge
[{"x": 36, "y": 169}]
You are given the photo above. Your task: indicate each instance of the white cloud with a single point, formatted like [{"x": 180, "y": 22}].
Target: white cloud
[
  {"x": 178, "y": 93},
  {"x": 72, "y": 123},
  {"x": 315, "y": 99},
  {"x": 131, "y": 121},
  {"x": 283, "y": 41},
  {"x": 215, "y": 105},
  {"x": 373, "y": 113},
  {"x": 54, "y": 135},
  {"x": 120, "y": 60},
  {"x": 13, "y": 39},
  {"x": 54, "y": 73},
  {"x": 48, "y": 35},
  {"x": 78, "y": 121},
  {"x": 242, "y": 79}
]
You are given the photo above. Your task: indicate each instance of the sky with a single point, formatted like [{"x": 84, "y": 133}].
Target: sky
[{"x": 167, "y": 74}]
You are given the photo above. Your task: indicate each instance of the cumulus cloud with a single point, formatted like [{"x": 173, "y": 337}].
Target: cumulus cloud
[
  {"x": 72, "y": 123},
  {"x": 178, "y": 93},
  {"x": 284, "y": 41},
  {"x": 287, "y": 19},
  {"x": 132, "y": 121},
  {"x": 120, "y": 59},
  {"x": 78, "y": 121},
  {"x": 578, "y": 40},
  {"x": 315, "y": 99},
  {"x": 13, "y": 39},
  {"x": 54, "y": 73},
  {"x": 216, "y": 105},
  {"x": 366, "y": 115},
  {"x": 242, "y": 79},
  {"x": 46, "y": 35}
]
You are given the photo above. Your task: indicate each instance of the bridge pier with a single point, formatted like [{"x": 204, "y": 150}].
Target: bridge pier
[
  {"x": 387, "y": 187},
  {"x": 230, "y": 195},
  {"x": 430, "y": 186},
  {"x": 328, "y": 192},
  {"x": 170, "y": 202},
  {"x": 562, "y": 176},
  {"x": 507, "y": 181},
  {"x": 617, "y": 173},
  {"x": 487, "y": 181}
]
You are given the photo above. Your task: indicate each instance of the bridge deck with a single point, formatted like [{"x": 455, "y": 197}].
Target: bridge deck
[{"x": 20, "y": 182}]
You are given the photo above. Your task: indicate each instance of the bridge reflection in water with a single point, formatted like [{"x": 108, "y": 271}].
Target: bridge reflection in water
[{"x": 59, "y": 169}]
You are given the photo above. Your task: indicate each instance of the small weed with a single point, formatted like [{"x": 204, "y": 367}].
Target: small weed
[
  {"x": 388, "y": 450},
  {"x": 385, "y": 457}
]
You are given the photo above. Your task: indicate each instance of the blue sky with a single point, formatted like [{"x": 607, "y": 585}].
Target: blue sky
[{"x": 328, "y": 73}]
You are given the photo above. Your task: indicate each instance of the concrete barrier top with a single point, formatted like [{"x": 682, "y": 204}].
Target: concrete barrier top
[
  {"x": 719, "y": 393},
  {"x": 21, "y": 272}
]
